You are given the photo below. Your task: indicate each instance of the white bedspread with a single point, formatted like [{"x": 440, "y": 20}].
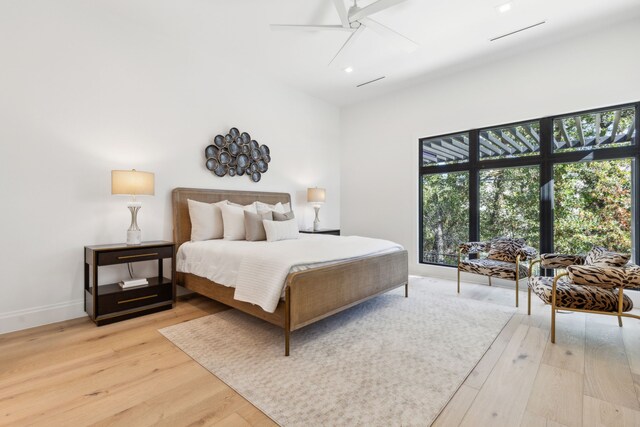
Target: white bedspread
[{"x": 258, "y": 270}]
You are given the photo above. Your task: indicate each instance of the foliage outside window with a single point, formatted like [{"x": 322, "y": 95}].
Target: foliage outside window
[
  {"x": 592, "y": 206},
  {"x": 445, "y": 216},
  {"x": 510, "y": 204}
]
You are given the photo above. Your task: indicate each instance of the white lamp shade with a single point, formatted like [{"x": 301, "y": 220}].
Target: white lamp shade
[
  {"x": 132, "y": 182},
  {"x": 315, "y": 195}
]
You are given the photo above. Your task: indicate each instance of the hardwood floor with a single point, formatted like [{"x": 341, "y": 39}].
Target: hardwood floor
[
  {"x": 588, "y": 378},
  {"x": 73, "y": 373}
]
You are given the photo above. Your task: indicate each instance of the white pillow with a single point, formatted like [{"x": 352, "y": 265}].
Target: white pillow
[
  {"x": 280, "y": 230},
  {"x": 265, "y": 207},
  {"x": 233, "y": 219},
  {"x": 206, "y": 220}
]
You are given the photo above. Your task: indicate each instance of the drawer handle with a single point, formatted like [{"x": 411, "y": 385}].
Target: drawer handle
[
  {"x": 137, "y": 256},
  {"x": 137, "y": 299}
]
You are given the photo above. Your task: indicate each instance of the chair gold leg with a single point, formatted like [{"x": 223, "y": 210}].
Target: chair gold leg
[
  {"x": 553, "y": 324},
  {"x": 517, "y": 278},
  {"x": 534, "y": 262},
  {"x": 553, "y": 306},
  {"x": 489, "y": 280},
  {"x": 459, "y": 255},
  {"x": 620, "y": 305}
]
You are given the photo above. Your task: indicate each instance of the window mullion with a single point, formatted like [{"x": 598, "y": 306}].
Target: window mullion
[
  {"x": 474, "y": 186},
  {"x": 546, "y": 185}
]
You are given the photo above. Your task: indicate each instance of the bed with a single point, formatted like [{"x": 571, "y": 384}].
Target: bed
[{"x": 309, "y": 295}]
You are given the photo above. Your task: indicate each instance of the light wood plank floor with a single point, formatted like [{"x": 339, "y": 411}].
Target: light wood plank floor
[{"x": 73, "y": 373}]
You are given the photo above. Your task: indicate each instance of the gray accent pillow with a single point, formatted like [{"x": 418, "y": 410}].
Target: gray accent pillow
[
  {"x": 277, "y": 216},
  {"x": 253, "y": 225}
]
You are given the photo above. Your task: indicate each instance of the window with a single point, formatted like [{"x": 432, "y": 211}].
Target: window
[
  {"x": 510, "y": 203},
  {"x": 563, "y": 183},
  {"x": 445, "y": 216},
  {"x": 592, "y": 205},
  {"x": 602, "y": 129},
  {"x": 445, "y": 150},
  {"x": 510, "y": 141}
]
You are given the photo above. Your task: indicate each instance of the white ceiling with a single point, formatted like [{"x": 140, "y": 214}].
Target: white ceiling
[{"x": 452, "y": 34}]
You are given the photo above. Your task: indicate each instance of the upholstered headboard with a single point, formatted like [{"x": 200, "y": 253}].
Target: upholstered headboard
[{"x": 181, "y": 220}]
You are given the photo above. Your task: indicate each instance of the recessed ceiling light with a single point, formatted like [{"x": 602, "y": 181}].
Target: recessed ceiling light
[
  {"x": 504, "y": 7},
  {"x": 348, "y": 69}
]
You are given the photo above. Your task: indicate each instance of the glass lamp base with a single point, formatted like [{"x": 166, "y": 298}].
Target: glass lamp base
[
  {"x": 134, "y": 237},
  {"x": 316, "y": 222}
]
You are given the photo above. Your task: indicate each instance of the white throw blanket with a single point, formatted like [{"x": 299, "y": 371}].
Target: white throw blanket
[{"x": 258, "y": 270}]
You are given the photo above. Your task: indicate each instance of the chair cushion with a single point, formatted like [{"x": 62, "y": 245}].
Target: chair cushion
[
  {"x": 601, "y": 257},
  {"x": 493, "y": 268},
  {"x": 473, "y": 247},
  {"x": 605, "y": 277},
  {"x": 560, "y": 260},
  {"x": 505, "y": 249},
  {"x": 570, "y": 295}
]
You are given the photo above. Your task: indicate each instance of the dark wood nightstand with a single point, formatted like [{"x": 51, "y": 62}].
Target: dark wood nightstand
[
  {"x": 332, "y": 231},
  {"x": 110, "y": 303}
]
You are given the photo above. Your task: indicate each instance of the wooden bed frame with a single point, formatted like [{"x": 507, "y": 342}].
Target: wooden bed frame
[{"x": 310, "y": 295}]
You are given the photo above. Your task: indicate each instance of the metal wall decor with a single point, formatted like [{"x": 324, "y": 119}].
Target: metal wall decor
[{"x": 237, "y": 154}]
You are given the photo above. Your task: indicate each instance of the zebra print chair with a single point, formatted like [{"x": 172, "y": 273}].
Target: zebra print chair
[
  {"x": 504, "y": 259},
  {"x": 593, "y": 283}
]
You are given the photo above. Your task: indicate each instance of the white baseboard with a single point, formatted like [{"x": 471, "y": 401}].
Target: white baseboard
[{"x": 38, "y": 316}]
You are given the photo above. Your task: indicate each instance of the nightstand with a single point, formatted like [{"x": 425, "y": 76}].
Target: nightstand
[
  {"x": 110, "y": 303},
  {"x": 332, "y": 231}
]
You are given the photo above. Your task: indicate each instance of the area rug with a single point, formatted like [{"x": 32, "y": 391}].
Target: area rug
[{"x": 391, "y": 361}]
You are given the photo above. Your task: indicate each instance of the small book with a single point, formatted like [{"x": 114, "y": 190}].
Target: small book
[{"x": 133, "y": 283}]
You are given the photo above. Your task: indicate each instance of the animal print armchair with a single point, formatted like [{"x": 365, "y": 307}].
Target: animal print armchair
[
  {"x": 594, "y": 283},
  {"x": 504, "y": 259}
]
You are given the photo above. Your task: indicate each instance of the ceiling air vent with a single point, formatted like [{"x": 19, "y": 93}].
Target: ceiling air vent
[
  {"x": 517, "y": 31},
  {"x": 371, "y": 81}
]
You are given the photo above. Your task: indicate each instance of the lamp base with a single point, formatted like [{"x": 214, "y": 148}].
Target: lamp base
[
  {"x": 134, "y": 237},
  {"x": 316, "y": 222}
]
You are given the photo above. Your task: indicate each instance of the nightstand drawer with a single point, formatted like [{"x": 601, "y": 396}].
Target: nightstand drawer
[
  {"x": 133, "y": 255},
  {"x": 134, "y": 298},
  {"x": 330, "y": 231}
]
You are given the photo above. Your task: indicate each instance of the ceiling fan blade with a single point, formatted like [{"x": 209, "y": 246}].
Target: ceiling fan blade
[
  {"x": 397, "y": 39},
  {"x": 342, "y": 12},
  {"x": 285, "y": 27},
  {"x": 346, "y": 46},
  {"x": 373, "y": 8}
]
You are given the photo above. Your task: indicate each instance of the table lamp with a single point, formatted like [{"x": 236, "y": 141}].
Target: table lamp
[
  {"x": 133, "y": 183},
  {"x": 316, "y": 197}
]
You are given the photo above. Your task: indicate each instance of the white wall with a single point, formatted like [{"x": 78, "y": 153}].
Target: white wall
[
  {"x": 83, "y": 92},
  {"x": 380, "y": 138}
]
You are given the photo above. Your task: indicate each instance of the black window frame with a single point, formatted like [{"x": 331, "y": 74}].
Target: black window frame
[{"x": 545, "y": 160}]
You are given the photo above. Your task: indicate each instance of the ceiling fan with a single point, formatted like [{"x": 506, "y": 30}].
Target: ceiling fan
[{"x": 356, "y": 20}]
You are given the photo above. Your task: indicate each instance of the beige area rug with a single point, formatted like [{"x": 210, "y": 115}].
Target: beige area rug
[{"x": 391, "y": 361}]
